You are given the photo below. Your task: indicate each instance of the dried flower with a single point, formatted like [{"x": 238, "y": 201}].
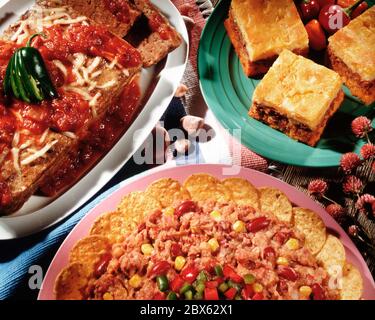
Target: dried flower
[
  {"x": 353, "y": 230},
  {"x": 361, "y": 126},
  {"x": 317, "y": 187},
  {"x": 368, "y": 151},
  {"x": 365, "y": 202},
  {"x": 336, "y": 211},
  {"x": 349, "y": 162},
  {"x": 352, "y": 185}
]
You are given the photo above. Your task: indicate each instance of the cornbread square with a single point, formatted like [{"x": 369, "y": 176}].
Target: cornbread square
[
  {"x": 351, "y": 51},
  {"x": 260, "y": 30},
  {"x": 297, "y": 97}
]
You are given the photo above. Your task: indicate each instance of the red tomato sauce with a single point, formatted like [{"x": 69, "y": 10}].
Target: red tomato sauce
[
  {"x": 120, "y": 9},
  {"x": 101, "y": 138},
  {"x": 157, "y": 24},
  {"x": 60, "y": 43}
]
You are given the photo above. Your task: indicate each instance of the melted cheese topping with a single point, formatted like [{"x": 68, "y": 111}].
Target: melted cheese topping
[{"x": 38, "y": 154}]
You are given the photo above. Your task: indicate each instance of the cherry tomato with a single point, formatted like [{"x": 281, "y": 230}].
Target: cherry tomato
[
  {"x": 185, "y": 207},
  {"x": 229, "y": 273},
  {"x": 333, "y": 18},
  {"x": 189, "y": 274},
  {"x": 318, "y": 292},
  {"x": 211, "y": 294},
  {"x": 258, "y": 224},
  {"x": 309, "y": 9},
  {"x": 322, "y": 3},
  {"x": 359, "y": 10},
  {"x": 160, "y": 268},
  {"x": 287, "y": 273},
  {"x": 317, "y": 37}
]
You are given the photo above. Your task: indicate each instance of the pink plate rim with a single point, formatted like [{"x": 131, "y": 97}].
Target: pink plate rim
[{"x": 180, "y": 173}]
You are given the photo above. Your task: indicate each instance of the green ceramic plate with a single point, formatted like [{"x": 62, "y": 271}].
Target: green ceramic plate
[{"x": 228, "y": 93}]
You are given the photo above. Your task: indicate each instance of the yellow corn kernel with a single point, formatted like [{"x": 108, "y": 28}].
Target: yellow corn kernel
[
  {"x": 239, "y": 226},
  {"x": 214, "y": 244},
  {"x": 107, "y": 296},
  {"x": 147, "y": 249},
  {"x": 257, "y": 287},
  {"x": 282, "y": 261},
  {"x": 305, "y": 291},
  {"x": 169, "y": 212},
  {"x": 135, "y": 281},
  {"x": 292, "y": 244},
  {"x": 179, "y": 263},
  {"x": 216, "y": 215}
]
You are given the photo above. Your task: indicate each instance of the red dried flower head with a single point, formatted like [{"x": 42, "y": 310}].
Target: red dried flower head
[
  {"x": 365, "y": 202},
  {"x": 349, "y": 162},
  {"x": 336, "y": 211},
  {"x": 318, "y": 187},
  {"x": 368, "y": 151},
  {"x": 361, "y": 126},
  {"x": 353, "y": 230},
  {"x": 352, "y": 184}
]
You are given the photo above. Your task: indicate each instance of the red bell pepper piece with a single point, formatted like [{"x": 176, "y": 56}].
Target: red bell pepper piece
[
  {"x": 247, "y": 292},
  {"x": 189, "y": 274},
  {"x": 177, "y": 283},
  {"x": 159, "y": 296},
  {"x": 160, "y": 268},
  {"x": 258, "y": 296},
  {"x": 230, "y": 293},
  {"x": 229, "y": 273},
  {"x": 211, "y": 294}
]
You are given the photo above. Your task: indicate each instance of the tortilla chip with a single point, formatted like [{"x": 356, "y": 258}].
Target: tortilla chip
[
  {"x": 274, "y": 201},
  {"x": 88, "y": 252},
  {"x": 204, "y": 187},
  {"x": 135, "y": 207},
  {"x": 352, "y": 283},
  {"x": 332, "y": 254},
  {"x": 111, "y": 225},
  {"x": 168, "y": 192},
  {"x": 71, "y": 283},
  {"x": 243, "y": 192},
  {"x": 312, "y": 226}
]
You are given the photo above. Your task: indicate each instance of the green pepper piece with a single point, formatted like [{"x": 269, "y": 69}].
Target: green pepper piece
[
  {"x": 162, "y": 282},
  {"x": 7, "y": 82},
  {"x": 172, "y": 296},
  {"x": 198, "y": 296},
  {"x": 202, "y": 276},
  {"x": 223, "y": 287},
  {"x": 249, "y": 278},
  {"x": 13, "y": 82},
  {"x": 218, "y": 270},
  {"x": 25, "y": 79},
  {"x": 37, "y": 69},
  {"x": 232, "y": 284},
  {"x": 186, "y": 287},
  {"x": 189, "y": 295},
  {"x": 200, "y": 287}
]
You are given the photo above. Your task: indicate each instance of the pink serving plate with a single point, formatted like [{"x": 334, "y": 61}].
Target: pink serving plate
[{"x": 141, "y": 182}]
